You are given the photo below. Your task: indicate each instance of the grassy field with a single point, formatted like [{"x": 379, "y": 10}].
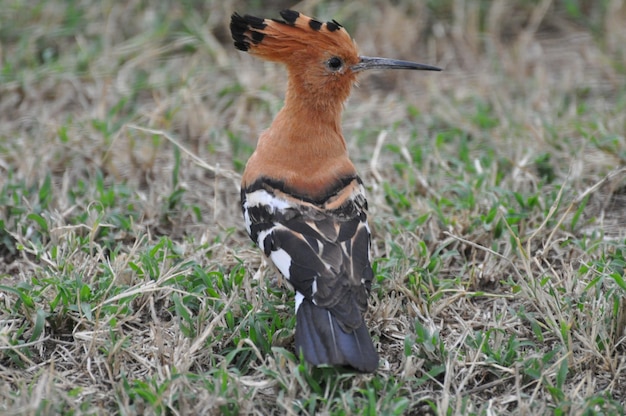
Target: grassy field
[{"x": 497, "y": 193}]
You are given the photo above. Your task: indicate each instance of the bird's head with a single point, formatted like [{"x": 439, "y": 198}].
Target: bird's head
[{"x": 321, "y": 58}]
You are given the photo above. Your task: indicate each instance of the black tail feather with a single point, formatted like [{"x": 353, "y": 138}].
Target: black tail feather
[{"x": 322, "y": 340}]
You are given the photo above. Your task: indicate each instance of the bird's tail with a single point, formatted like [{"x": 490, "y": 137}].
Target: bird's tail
[{"x": 323, "y": 341}]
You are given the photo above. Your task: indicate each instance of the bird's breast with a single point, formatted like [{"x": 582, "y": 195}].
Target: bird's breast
[{"x": 309, "y": 178}]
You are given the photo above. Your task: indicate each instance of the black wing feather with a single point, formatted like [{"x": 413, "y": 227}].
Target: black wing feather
[{"x": 328, "y": 254}]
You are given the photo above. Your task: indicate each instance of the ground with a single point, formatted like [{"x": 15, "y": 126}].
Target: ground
[{"x": 496, "y": 192}]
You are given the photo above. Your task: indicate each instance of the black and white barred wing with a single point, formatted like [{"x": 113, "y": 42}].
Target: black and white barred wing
[{"x": 324, "y": 253}]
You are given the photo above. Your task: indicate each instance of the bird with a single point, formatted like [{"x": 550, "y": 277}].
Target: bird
[{"x": 303, "y": 202}]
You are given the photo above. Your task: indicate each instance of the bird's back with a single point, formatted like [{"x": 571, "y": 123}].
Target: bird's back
[{"x": 322, "y": 248}]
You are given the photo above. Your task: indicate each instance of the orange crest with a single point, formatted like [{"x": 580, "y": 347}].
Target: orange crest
[
  {"x": 295, "y": 40},
  {"x": 319, "y": 56}
]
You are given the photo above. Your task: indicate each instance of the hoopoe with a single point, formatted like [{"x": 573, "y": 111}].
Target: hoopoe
[{"x": 303, "y": 203}]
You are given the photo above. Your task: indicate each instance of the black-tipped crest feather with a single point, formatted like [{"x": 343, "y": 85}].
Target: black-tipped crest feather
[
  {"x": 290, "y": 16},
  {"x": 333, "y": 25},
  {"x": 239, "y": 25},
  {"x": 249, "y": 30},
  {"x": 315, "y": 24}
]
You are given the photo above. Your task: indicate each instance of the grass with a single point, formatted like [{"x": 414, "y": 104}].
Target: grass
[{"x": 496, "y": 192}]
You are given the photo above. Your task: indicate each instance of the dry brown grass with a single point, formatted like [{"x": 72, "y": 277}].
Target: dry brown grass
[{"x": 496, "y": 188}]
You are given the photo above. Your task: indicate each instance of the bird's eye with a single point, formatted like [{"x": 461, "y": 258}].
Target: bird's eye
[{"x": 335, "y": 63}]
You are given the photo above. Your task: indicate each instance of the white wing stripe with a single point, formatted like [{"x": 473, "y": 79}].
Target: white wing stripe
[
  {"x": 282, "y": 260},
  {"x": 260, "y": 240},
  {"x": 299, "y": 299},
  {"x": 261, "y": 197},
  {"x": 246, "y": 217}
]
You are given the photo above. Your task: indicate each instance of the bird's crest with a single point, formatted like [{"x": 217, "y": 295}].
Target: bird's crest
[{"x": 291, "y": 39}]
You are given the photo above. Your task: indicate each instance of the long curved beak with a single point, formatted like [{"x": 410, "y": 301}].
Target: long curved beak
[{"x": 369, "y": 62}]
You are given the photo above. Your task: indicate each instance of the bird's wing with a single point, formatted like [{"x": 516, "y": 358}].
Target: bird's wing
[{"x": 321, "y": 247}]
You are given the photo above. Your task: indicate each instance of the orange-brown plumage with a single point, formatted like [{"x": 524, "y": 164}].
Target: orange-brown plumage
[
  {"x": 302, "y": 200},
  {"x": 307, "y": 160},
  {"x": 310, "y": 155},
  {"x": 302, "y": 44}
]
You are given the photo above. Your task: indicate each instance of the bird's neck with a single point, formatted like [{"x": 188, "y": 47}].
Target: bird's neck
[
  {"x": 308, "y": 126},
  {"x": 318, "y": 129},
  {"x": 312, "y": 119},
  {"x": 304, "y": 147}
]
